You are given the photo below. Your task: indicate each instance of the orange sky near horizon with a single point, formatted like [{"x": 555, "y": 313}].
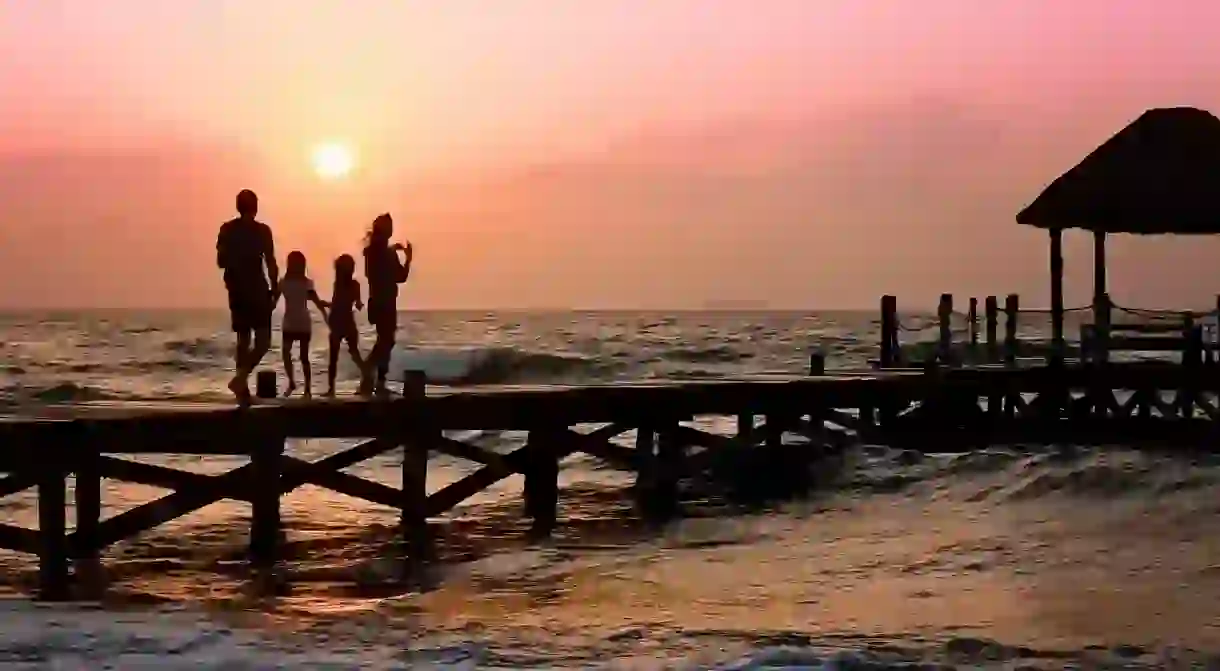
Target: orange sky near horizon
[{"x": 606, "y": 153}]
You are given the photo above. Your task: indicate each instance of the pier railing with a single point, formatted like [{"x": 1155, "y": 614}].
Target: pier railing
[{"x": 958, "y": 339}]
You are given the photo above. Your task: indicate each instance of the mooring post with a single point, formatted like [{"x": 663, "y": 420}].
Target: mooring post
[
  {"x": 542, "y": 480},
  {"x": 973, "y": 317},
  {"x": 889, "y": 332},
  {"x": 1012, "y": 309},
  {"x": 264, "y": 384},
  {"x": 265, "y": 488},
  {"x": 944, "y": 315},
  {"x": 991, "y": 315},
  {"x": 52, "y": 523},
  {"x": 86, "y": 552},
  {"x": 417, "y": 437},
  {"x": 817, "y": 364}
]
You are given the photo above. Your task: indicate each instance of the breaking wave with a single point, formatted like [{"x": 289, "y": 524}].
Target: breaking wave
[{"x": 459, "y": 366}]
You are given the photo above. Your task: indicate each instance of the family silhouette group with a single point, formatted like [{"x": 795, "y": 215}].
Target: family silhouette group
[{"x": 245, "y": 251}]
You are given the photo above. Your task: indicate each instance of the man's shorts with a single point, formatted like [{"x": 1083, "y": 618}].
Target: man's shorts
[{"x": 250, "y": 310}]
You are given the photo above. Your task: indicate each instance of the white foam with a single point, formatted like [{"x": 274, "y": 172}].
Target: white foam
[
  {"x": 440, "y": 364},
  {"x": 81, "y": 637}
]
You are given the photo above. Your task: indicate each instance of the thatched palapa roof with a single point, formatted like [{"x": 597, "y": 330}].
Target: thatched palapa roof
[{"x": 1159, "y": 175}]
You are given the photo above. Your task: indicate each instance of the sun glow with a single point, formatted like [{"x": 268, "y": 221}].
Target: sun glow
[{"x": 333, "y": 160}]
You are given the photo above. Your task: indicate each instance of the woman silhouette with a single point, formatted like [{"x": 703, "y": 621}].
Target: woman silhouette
[{"x": 384, "y": 271}]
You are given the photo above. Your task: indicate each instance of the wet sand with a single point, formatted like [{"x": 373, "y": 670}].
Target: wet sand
[{"x": 1048, "y": 554}]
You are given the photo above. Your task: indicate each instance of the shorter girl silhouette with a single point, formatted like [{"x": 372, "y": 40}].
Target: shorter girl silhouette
[{"x": 344, "y": 302}]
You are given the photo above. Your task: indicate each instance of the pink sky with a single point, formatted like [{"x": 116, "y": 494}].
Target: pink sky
[{"x": 600, "y": 153}]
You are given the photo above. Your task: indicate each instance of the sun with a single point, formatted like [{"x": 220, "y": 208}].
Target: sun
[{"x": 333, "y": 160}]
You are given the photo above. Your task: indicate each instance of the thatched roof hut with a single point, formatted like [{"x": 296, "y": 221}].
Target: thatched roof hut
[{"x": 1158, "y": 176}]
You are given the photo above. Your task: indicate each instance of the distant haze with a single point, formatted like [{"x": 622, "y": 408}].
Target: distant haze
[{"x": 600, "y": 153}]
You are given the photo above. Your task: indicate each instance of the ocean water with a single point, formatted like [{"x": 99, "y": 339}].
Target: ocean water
[
  {"x": 186, "y": 356},
  {"x": 1013, "y": 557}
]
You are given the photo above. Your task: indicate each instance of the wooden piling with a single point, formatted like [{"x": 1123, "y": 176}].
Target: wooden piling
[
  {"x": 1012, "y": 309},
  {"x": 889, "y": 332},
  {"x": 542, "y": 481},
  {"x": 52, "y": 527},
  {"x": 991, "y": 312},
  {"x": 646, "y": 471},
  {"x": 670, "y": 457},
  {"x": 745, "y": 426},
  {"x": 264, "y": 490},
  {"x": 418, "y": 438},
  {"x": 944, "y": 315},
  {"x": 86, "y": 549}
]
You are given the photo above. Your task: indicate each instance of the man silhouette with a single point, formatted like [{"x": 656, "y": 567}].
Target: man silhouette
[{"x": 244, "y": 248}]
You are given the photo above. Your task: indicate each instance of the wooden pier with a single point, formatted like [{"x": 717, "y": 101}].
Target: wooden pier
[
  {"x": 1157, "y": 176},
  {"x": 935, "y": 409}
]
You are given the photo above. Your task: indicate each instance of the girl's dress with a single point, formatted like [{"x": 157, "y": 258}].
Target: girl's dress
[{"x": 297, "y": 291}]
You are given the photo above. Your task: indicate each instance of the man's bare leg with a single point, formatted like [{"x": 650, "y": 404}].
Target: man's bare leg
[
  {"x": 262, "y": 345},
  {"x": 239, "y": 385}
]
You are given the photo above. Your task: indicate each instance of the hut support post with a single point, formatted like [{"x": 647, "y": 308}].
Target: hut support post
[
  {"x": 944, "y": 314},
  {"x": 1057, "y": 342},
  {"x": 1101, "y": 299}
]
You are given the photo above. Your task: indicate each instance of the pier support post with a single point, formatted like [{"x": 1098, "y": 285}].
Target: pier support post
[
  {"x": 889, "y": 332},
  {"x": 660, "y": 462},
  {"x": 87, "y": 568},
  {"x": 265, "y": 523},
  {"x": 646, "y": 468},
  {"x": 773, "y": 430},
  {"x": 991, "y": 312},
  {"x": 973, "y": 317},
  {"x": 542, "y": 481},
  {"x": 52, "y": 527},
  {"x": 669, "y": 472},
  {"x": 417, "y": 439},
  {"x": 745, "y": 426}
]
